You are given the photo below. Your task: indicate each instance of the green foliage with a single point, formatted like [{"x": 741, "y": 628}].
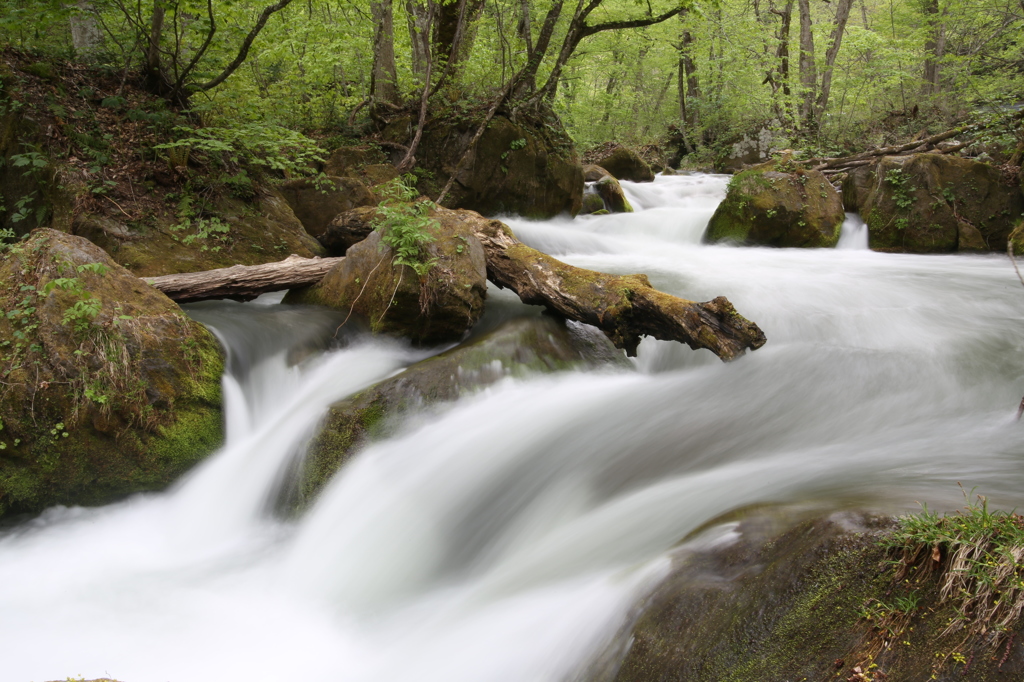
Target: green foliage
[
  {"x": 255, "y": 144},
  {"x": 981, "y": 555},
  {"x": 405, "y": 225}
]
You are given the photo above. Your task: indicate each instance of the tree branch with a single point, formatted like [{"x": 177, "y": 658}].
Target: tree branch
[{"x": 243, "y": 50}]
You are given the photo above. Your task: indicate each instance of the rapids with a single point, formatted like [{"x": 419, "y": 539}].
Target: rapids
[{"x": 512, "y": 535}]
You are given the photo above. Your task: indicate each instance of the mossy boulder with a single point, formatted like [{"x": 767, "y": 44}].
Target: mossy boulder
[
  {"x": 235, "y": 232},
  {"x": 857, "y": 186},
  {"x": 527, "y": 167},
  {"x": 817, "y": 601},
  {"x": 769, "y": 207},
  {"x": 438, "y": 306},
  {"x": 515, "y": 348},
  {"x": 108, "y": 388},
  {"x": 349, "y": 160},
  {"x": 937, "y": 203},
  {"x": 1016, "y": 239},
  {"x": 610, "y": 191},
  {"x": 348, "y": 229},
  {"x": 625, "y": 164},
  {"x": 593, "y": 172},
  {"x": 316, "y": 202}
]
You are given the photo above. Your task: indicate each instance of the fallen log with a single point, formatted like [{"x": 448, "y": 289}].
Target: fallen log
[
  {"x": 624, "y": 307},
  {"x": 894, "y": 150},
  {"x": 243, "y": 282}
]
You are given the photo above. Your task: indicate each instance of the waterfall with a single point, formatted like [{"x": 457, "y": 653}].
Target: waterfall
[{"x": 513, "y": 534}]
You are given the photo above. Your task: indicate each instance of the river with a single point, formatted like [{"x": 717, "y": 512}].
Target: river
[{"x": 511, "y": 535}]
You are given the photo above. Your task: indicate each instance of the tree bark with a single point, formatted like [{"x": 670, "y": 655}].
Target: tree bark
[
  {"x": 419, "y": 30},
  {"x": 842, "y": 15},
  {"x": 624, "y": 307},
  {"x": 782, "y": 54},
  {"x": 808, "y": 74},
  {"x": 243, "y": 282},
  {"x": 384, "y": 75},
  {"x": 86, "y": 36},
  {"x": 935, "y": 48}
]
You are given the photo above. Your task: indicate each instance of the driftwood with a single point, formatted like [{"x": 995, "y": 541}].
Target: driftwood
[
  {"x": 894, "y": 150},
  {"x": 243, "y": 282},
  {"x": 624, "y": 307}
]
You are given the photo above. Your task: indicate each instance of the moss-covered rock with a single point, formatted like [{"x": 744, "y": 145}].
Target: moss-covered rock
[
  {"x": 856, "y": 186},
  {"x": 593, "y": 172},
  {"x": 609, "y": 189},
  {"x": 515, "y": 348},
  {"x": 818, "y": 601},
  {"x": 938, "y": 203},
  {"x": 316, "y": 202},
  {"x": 349, "y": 160},
  {"x": 108, "y": 388},
  {"x": 437, "y": 307},
  {"x": 769, "y": 207},
  {"x": 625, "y": 164},
  {"x": 236, "y": 232},
  {"x": 1016, "y": 239},
  {"x": 527, "y": 167},
  {"x": 592, "y": 203}
]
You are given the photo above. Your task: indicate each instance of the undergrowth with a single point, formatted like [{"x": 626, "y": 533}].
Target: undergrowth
[{"x": 405, "y": 225}]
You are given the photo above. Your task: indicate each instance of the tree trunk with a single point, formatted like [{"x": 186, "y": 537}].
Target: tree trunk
[
  {"x": 808, "y": 74},
  {"x": 935, "y": 48},
  {"x": 688, "y": 109},
  {"x": 623, "y": 307},
  {"x": 384, "y": 75},
  {"x": 782, "y": 54},
  {"x": 86, "y": 35},
  {"x": 419, "y": 28},
  {"x": 455, "y": 29},
  {"x": 525, "y": 28},
  {"x": 243, "y": 282},
  {"x": 154, "y": 69},
  {"x": 842, "y": 14}
]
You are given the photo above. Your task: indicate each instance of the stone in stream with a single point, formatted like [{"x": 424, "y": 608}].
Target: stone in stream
[
  {"x": 624, "y": 164},
  {"x": 592, "y": 203},
  {"x": 609, "y": 189},
  {"x": 108, "y": 388},
  {"x": 439, "y": 306},
  {"x": 317, "y": 201},
  {"x": 935, "y": 203},
  {"x": 517, "y": 347},
  {"x": 776, "y": 204}
]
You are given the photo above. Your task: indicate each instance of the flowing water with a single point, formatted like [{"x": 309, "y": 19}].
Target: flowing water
[{"x": 511, "y": 536}]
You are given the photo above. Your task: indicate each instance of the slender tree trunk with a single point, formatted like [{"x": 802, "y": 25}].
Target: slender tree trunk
[
  {"x": 455, "y": 29},
  {"x": 808, "y": 74},
  {"x": 525, "y": 25},
  {"x": 782, "y": 54},
  {"x": 419, "y": 26},
  {"x": 384, "y": 76},
  {"x": 688, "y": 109},
  {"x": 154, "y": 70},
  {"x": 935, "y": 48},
  {"x": 842, "y": 15}
]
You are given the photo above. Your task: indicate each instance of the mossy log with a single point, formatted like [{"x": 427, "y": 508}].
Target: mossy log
[
  {"x": 624, "y": 307},
  {"x": 243, "y": 282}
]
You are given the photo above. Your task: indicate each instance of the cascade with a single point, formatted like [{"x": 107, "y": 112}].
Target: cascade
[{"x": 513, "y": 534}]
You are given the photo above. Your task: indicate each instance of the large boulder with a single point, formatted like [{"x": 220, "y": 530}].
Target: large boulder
[
  {"x": 108, "y": 388},
  {"x": 348, "y": 229},
  {"x": 349, "y": 160},
  {"x": 263, "y": 229},
  {"x": 527, "y": 167},
  {"x": 937, "y": 203},
  {"x": 624, "y": 164},
  {"x": 437, "y": 305},
  {"x": 516, "y": 347},
  {"x": 316, "y": 201},
  {"x": 766, "y": 206}
]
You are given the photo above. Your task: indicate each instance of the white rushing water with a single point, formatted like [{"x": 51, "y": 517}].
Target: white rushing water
[{"x": 512, "y": 536}]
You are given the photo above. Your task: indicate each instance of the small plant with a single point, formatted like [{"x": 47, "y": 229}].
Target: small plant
[
  {"x": 901, "y": 193},
  {"x": 405, "y": 225}
]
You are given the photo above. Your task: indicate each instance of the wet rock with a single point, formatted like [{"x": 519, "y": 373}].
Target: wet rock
[
  {"x": 625, "y": 164},
  {"x": 439, "y": 306},
  {"x": 109, "y": 389},
  {"x": 316, "y": 202},
  {"x": 769, "y": 207},
  {"x": 516, "y": 348},
  {"x": 236, "y": 233},
  {"x": 936, "y": 203},
  {"x": 528, "y": 168},
  {"x": 856, "y": 186},
  {"x": 593, "y": 173},
  {"x": 592, "y": 203},
  {"x": 1016, "y": 239},
  {"x": 609, "y": 189}
]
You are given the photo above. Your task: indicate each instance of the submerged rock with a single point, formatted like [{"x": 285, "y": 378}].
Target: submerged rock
[
  {"x": 625, "y": 164},
  {"x": 109, "y": 389},
  {"x": 438, "y": 306},
  {"x": 766, "y": 206},
  {"x": 517, "y": 347},
  {"x": 937, "y": 203}
]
